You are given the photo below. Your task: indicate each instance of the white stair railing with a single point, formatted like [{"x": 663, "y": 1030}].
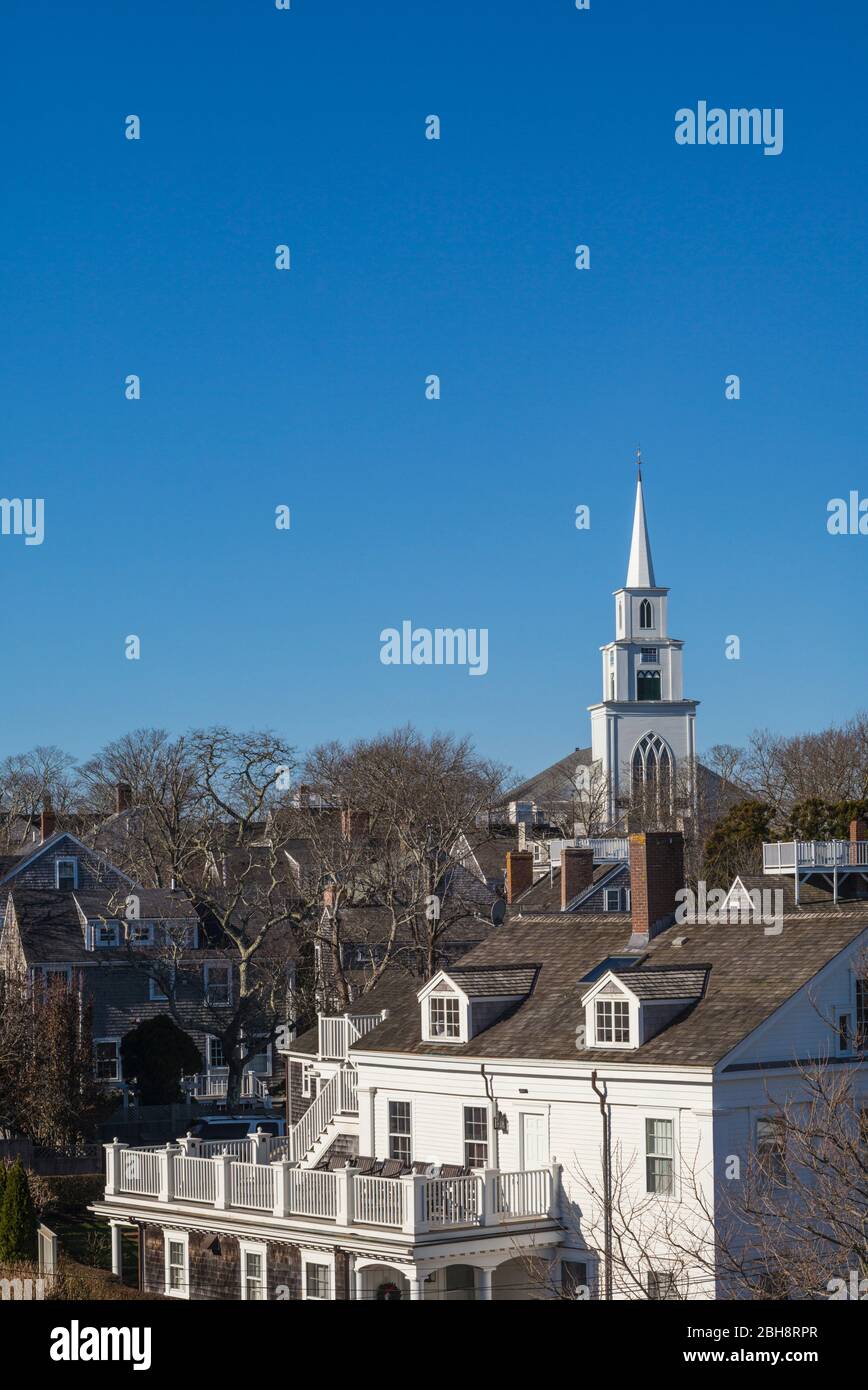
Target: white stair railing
[{"x": 337, "y": 1097}]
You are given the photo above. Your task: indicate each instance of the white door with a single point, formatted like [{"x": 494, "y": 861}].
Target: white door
[{"x": 534, "y": 1140}]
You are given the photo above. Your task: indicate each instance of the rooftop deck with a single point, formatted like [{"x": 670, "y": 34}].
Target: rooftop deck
[
  {"x": 190, "y": 1175},
  {"x": 785, "y": 856}
]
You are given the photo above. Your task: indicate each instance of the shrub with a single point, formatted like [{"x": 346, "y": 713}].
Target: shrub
[{"x": 17, "y": 1217}]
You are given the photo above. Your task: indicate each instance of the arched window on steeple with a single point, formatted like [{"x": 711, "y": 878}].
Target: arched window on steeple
[
  {"x": 653, "y": 771},
  {"x": 646, "y": 614}
]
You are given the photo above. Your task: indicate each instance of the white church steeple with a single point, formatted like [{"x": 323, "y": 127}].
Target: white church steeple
[
  {"x": 640, "y": 570},
  {"x": 643, "y": 730}
]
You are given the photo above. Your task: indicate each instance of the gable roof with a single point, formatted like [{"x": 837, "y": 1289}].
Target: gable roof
[
  {"x": 750, "y": 975},
  {"x": 52, "y": 842},
  {"x": 493, "y": 981}
]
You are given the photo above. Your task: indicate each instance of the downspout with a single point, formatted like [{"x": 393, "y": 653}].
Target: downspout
[
  {"x": 607, "y": 1187},
  {"x": 489, "y": 1091}
]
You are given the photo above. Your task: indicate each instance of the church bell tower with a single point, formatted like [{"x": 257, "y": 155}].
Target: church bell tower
[{"x": 643, "y": 731}]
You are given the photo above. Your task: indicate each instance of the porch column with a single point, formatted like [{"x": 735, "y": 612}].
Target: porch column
[
  {"x": 484, "y": 1284},
  {"x": 358, "y": 1293},
  {"x": 117, "y": 1258},
  {"x": 416, "y": 1287}
]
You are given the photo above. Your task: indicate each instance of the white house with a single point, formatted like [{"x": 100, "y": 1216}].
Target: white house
[{"x": 447, "y": 1142}]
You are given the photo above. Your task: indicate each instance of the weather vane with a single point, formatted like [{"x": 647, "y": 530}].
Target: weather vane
[{"x": 639, "y": 460}]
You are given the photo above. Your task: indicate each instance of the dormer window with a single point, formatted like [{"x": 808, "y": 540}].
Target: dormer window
[
  {"x": 106, "y": 934},
  {"x": 612, "y": 1021},
  {"x": 66, "y": 875},
  {"x": 444, "y": 1016}
]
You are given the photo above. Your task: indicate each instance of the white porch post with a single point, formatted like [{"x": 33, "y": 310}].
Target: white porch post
[
  {"x": 222, "y": 1181},
  {"x": 116, "y": 1247},
  {"x": 416, "y": 1286},
  {"x": 484, "y": 1286},
  {"x": 167, "y": 1174},
  {"x": 358, "y": 1274},
  {"x": 113, "y": 1153}
]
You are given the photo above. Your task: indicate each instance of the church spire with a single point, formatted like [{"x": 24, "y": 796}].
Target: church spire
[{"x": 640, "y": 570}]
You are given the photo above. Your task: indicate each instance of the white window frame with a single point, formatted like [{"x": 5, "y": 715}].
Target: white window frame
[
  {"x": 216, "y": 1067},
  {"x": 307, "y": 1080},
  {"x": 45, "y": 970},
  {"x": 399, "y": 1100},
  {"x": 608, "y": 1002},
  {"x": 464, "y": 1139},
  {"x": 253, "y": 1247},
  {"x": 206, "y": 971},
  {"x": 778, "y": 1174},
  {"x": 447, "y": 1000},
  {"x": 657, "y": 1118},
  {"x": 317, "y": 1257},
  {"x": 66, "y": 859},
  {"x": 134, "y": 925},
  {"x": 182, "y": 1238},
  {"x": 100, "y": 926},
  {"x": 119, "y": 1065}
]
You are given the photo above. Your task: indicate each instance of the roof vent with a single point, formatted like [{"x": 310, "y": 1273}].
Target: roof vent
[{"x": 678, "y": 940}]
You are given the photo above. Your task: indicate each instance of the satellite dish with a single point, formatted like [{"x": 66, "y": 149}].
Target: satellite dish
[{"x": 498, "y": 912}]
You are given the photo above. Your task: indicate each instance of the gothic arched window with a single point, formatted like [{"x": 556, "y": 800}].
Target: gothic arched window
[
  {"x": 653, "y": 768},
  {"x": 646, "y": 614}
]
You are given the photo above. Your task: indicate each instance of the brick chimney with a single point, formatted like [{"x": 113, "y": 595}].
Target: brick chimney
[
  {"x": 47, "y": 820},
  {"x": 355, "y": 824},
  {"x": 858, "y": 831},
  {"x": 656, "y": 875},
  {"x": 577, "y": 872},
  {"x": 519, "y": 873},
  {"x": 123, "y": 796}
]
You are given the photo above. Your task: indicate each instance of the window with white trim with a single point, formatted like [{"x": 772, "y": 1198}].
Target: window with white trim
[
  {"x": 649, "y": 654},
  {"x": 616, "y": 900},
  {"x": 317, "y": 1276},
  {"x": 612, "y": 1020},
  {"x": 106, "y": 934},
  {"x": 254, "y": 1275},
  {"x": 475, "y": 1136},
  {"x": 107, "y": 1059},
  {"x": 444, "y": 1016},
  {"x": 66, "y": 874},
  {"x": 177, "y": 1267},
  {"x": 218, "y": 984},
  {"x": 659, "y": 1156},
  {"x": 400, "y": 1130},
  {"x": 861, "y": 1012},
  {"x": 646, "y": 614},
  {"x": 216, "y": 1054},
  {"x": 771, "y": 1148},
  {"x": 140, "y": 933}
]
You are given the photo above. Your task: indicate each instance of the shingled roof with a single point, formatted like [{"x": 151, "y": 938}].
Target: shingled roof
[
  {"x": 654, "y": 983},
  {"x": 492, "y": 981},
  {"x": 749, "y": 975}
]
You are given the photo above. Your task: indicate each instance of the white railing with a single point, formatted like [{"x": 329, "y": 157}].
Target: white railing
[
  {"x": 378, "y": 1201},
  {"x": 337, "y": 1034},
  {"x": 195, "y": 1179},
  {"x": 612, "y": 849},
  {"x": 524, "y": 1193},
  {"x": 609, "y": 849},
  {"x": 414, "y": 1204},
  {"x": 451, "y": 1201},
  {"x": 312, "y": 1193},
  {"x": 315, "y": 1119},
  {"x": 212, "y": 1085},
  {"x": 236, "y": 1148},
  {"x": 252, "y": 1185},
  {"x": 783, "y": 855},
  {"x": 339, "y": 1096},
  {"x": 141, "y": 1171}
]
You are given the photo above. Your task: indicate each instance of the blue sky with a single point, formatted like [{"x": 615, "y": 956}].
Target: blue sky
[{"x": 412, "y": 257}]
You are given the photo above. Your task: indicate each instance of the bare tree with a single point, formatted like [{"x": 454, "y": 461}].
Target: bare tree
[{"x": 389, "y": 836}]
